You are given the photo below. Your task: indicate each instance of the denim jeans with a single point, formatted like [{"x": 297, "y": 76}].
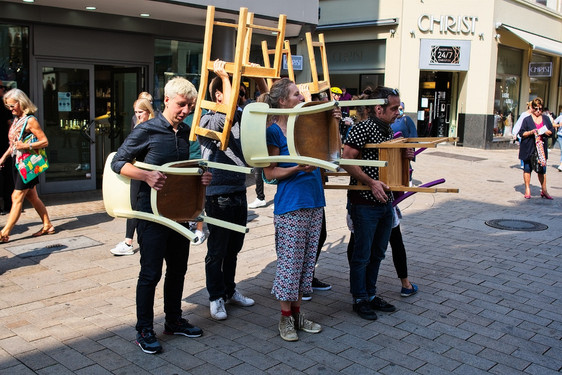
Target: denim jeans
[
  {"x": 224, "y": 244},
  {"x": 372, "y": 225},
  {"x": 159, "y": 243}
]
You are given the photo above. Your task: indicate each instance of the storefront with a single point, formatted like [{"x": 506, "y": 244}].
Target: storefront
[
  {"x": 85, "y": 68},
  {"x": 462, "y": 69}
]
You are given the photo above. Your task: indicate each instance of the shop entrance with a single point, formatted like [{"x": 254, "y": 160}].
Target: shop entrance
[
  {"x": 434, "y": 116},
  {"x": 86, "y": 114}
]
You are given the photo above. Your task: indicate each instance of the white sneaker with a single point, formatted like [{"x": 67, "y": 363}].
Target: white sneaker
[
  {"x": 200, "y": 238},
  {"x": 238, "y": 299},
  {"x": 218, "y": 312},
  {"x": 122, "y": 248},
  {"x": 560, "y": 167},
  {"x": 257, "y": 203}
]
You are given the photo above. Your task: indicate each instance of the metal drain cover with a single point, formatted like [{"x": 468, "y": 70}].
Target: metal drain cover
[
  {"x": 48, "y": 247},
  {"x": 521, "y": 225}
]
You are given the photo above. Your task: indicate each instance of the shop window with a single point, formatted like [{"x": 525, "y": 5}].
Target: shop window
[
  {"x": 14, "y": 56},
  {"x": 175, "y": 58},
  {"x": 508, "y": 84}
]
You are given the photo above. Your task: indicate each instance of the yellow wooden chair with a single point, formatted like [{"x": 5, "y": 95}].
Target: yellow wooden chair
[{"x": 240, "y": 67}]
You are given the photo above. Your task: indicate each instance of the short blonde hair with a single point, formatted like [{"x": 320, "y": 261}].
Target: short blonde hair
[
  {"x": 180, "y": 86},
  {"x": 25, "y": 103}
]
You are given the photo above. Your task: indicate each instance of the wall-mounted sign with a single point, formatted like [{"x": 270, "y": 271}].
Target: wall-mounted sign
[
  {"x": 448, "y": 24},
  {"x": 540, "y": 69},
  {"x": 444, "y": 54},
  {"x": 297, "y": 62}
]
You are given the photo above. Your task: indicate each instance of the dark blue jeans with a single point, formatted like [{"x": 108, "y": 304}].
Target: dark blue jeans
[
  {"x": 372, "y": 226},
  {"x": 223, "y": 245},
  {"x": 159, "y": 243}
]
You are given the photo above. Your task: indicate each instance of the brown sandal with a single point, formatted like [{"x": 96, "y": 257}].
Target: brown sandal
[{"x": 50, "y": 230}]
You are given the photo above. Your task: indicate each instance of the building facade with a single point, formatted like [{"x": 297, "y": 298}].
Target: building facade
[
  {"x": 464, "y": 68},
  {"x": 85, "y": 67}
]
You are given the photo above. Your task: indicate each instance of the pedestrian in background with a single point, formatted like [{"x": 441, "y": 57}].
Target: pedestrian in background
[{"x": 24, "y": 124}]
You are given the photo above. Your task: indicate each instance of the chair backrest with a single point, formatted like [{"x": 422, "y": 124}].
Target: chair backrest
[{"x": 315, "y": 135}]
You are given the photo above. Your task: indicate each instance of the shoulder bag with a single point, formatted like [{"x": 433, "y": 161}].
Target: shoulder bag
[{"x": 30, "y": 163}]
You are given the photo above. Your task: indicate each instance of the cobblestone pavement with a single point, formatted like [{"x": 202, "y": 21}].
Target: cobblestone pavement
[{"x": 489, "y": 299}]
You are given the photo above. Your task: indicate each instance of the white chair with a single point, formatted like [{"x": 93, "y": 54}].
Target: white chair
[{"x": 181, "y": 200}]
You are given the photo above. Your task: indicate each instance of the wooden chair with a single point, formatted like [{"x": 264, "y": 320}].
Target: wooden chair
[
  {"x": 397, "y": 174},
  {"x": 312, "y": 135},
  {"x": 240, "y": 67},
  {"x": 285, "y": 52},
  {"x": 181, "y": 200},
  {"x": 316, "y": 85}
]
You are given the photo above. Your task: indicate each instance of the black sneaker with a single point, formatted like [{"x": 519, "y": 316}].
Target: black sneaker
[
  {"x": 182, "y": 327},
  {"x": 146, "y": 340},
  {"x": 306, "y": 297},
  {"x": 319, "y": 285},
  {"x": 381, "y": 305},
  {"x": 364, "y": 310}
]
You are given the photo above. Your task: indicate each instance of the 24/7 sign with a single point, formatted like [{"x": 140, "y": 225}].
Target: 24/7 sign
[{"x": 445, "y": 55}]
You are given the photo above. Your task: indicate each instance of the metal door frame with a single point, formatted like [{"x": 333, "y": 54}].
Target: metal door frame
[{"x": 73, "y": 185}]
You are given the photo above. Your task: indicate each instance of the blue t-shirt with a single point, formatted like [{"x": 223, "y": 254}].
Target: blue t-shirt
[{"x": 300, "y": 190}]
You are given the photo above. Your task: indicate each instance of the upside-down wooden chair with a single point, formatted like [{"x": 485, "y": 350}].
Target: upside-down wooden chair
[
  {"x": 312, "y": 135},
  {"x": 316, "y": 86},
  {"x": 286, "y": 51},
  {"x": 397, "y": 175},
  {"x": 240, "y": 67},
  {"x": 181, "y": 200}
]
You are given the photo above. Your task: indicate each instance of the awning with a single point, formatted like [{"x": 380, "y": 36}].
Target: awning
[{"x": 537, "y": 42}]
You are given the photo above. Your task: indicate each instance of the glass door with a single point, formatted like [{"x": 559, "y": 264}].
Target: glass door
[{"x": 66, "y": 97}]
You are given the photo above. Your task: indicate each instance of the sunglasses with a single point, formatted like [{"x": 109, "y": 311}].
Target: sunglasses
[
  {"x": 537, "y": 109},
  {"x": 11, "y": 106}
]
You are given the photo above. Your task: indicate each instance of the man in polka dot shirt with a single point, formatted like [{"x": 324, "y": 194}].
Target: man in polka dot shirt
[{"x": 370, "y": 210}]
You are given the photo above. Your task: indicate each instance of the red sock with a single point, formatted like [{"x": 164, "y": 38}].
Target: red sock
[
  {"x": 285, "y": 313},
  {"x": 295, "y": 310}
]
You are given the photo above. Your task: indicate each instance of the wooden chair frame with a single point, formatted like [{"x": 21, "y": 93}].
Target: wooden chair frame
[
  {"x": 316, "y": 85},
  {"x": 285, "y": 51},
  {"x": 240, "y": 67},
  {"x": 397, "y": 175},
  {"x": 182, "y": 199}
]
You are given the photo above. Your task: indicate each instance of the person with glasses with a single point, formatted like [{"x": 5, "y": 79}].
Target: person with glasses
[
  {"x": 158, "y": 141},
  {"x": 6, "y": 178},
  {"x": 370, "y": 210},
  {"x": 534, "y": 132}
]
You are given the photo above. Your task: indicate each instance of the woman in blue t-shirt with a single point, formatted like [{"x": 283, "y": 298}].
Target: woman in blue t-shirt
[{"x": 299, "y": 203}]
